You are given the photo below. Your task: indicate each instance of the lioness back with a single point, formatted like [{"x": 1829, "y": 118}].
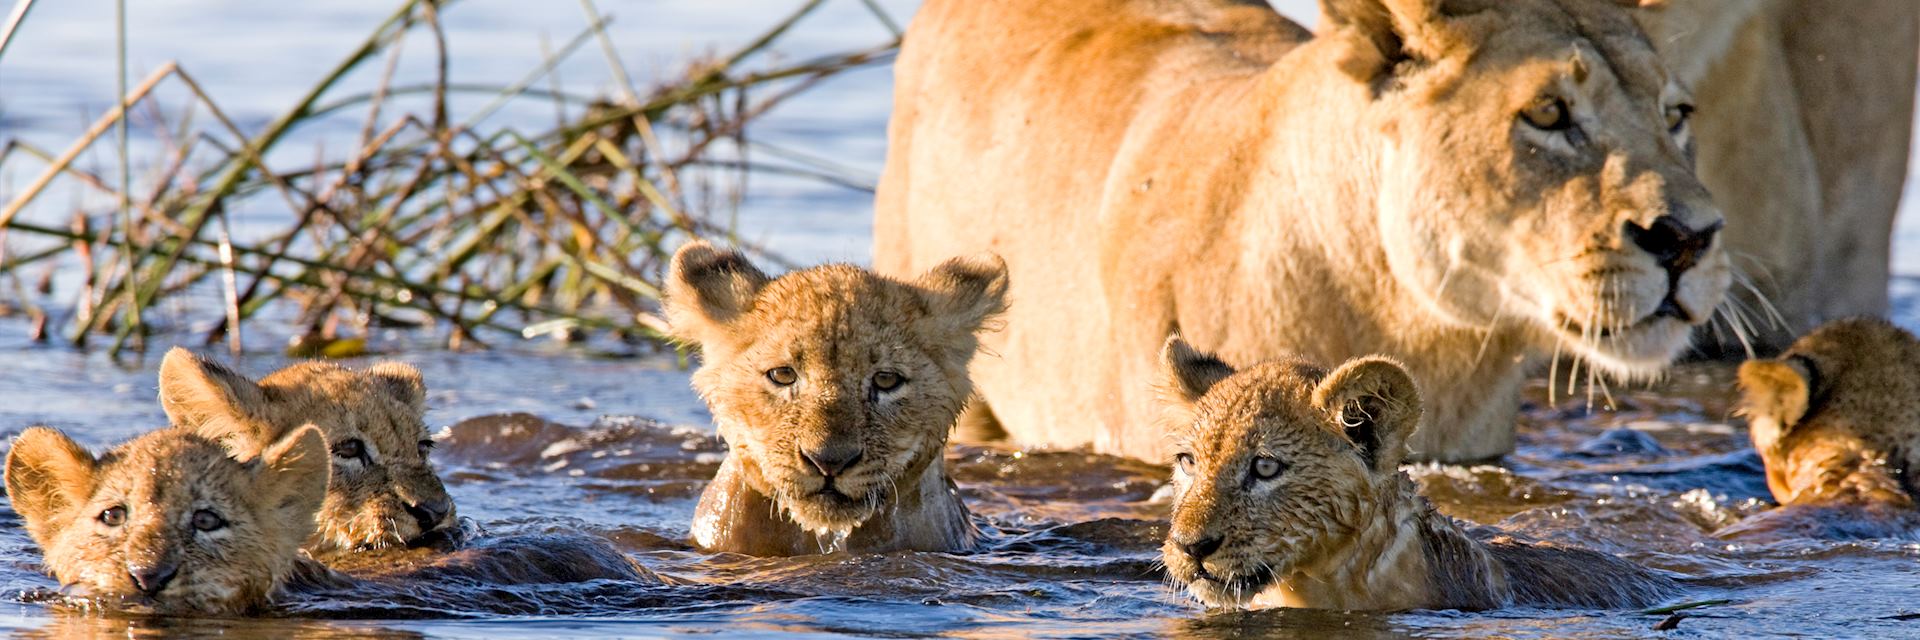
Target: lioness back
[
  {"x": 169, "y": 521},
  {"x": 834, "y": 389}
]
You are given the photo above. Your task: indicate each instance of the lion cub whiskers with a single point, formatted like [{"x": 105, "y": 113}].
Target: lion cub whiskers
[
  {"x": 835, "y": 389},
  {"x": 1288, "y": 493}
]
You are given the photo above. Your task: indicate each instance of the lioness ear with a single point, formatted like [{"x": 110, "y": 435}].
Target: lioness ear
[
  {"x": 1187, "y": 373},
  {"x": 47, "y": 475},
  {"x": 294, "y": 477},
  {"x": 708, "y": 287},
  {"x": 1390, "y": 31},
  {"x": 401, "y": 381},
  {"x": 1376, "y": 404},
  {"x": 1774, "y": 396},
  {"x": 962, "y": 294}
]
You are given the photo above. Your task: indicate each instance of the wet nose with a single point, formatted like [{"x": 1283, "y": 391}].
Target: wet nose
[
  {"x": 832, "y": 459},
  {"x": 150, "y": 579},
  {"x": 430, "y": 513},
  {"x": 1199, "y": 549},
  {"x": 1673, "y": 244}
]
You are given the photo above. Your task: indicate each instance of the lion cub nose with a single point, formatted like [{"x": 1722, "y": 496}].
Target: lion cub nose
[
  {"x": 151, "y": 579},
  {"x": 1198, "y": 550},
  {"x": 833, "y": 459},
  {"x": 429, "y": 513},
  {"x": 1675, "y": 246}
]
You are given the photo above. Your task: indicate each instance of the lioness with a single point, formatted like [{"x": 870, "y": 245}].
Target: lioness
[
  {"x": 1467, "y": 185},
  {"x": 834, "y": 389},
  {"x": 384, "y": 490},
  {"x": 168, "y": 521},
  {"x": 1288, "y": 493},
  {"x": 1836, "y": 419}
]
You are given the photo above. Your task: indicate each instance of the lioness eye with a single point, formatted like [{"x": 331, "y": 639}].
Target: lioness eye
[
  {"x": 1677, "y": 116},
  {"x": 1184, "y": 460},
  {"x": 887, "y": 380},
  {"x": 1548, "y": 114},
  {"x": 205, "y": 520},
  {"x": 352, "y": 449},
  {"x": 114, "y": 516},
  {"x": 1266, "y": 468},
  {"x": 783, "y": 376}
]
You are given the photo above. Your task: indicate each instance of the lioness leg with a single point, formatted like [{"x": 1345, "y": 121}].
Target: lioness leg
[{"x": 977, "y": 425}]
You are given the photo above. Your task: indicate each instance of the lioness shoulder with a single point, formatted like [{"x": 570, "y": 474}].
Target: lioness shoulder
[
  {"x": 169, "y": 521},
  {"x": 384, "y": 492},
  {"x": 835, "y": 389}
]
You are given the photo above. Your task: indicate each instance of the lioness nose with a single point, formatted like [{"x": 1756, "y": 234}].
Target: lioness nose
[
  {"x": 429, "y": 513},
  {"x": 152, "y": 578},
  {"x": 1200, "y": 549},
  {"x": 832, "y": 459},
  {"x": 1675, "y": 246}
]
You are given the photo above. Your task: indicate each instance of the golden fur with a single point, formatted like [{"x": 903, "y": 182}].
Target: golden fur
[
  {"x": 386, "y": 495},
  {"x": 1806, "y": 113},
  {"x": 1288, "y": 493},
  {"x": 194, "y": 531},
  {"x": 1209, "y": 167},
  {"x": 1837, "y": 417},
  {"x": 834, "y": 389}
]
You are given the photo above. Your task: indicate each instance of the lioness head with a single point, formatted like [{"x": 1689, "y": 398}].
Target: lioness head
[
  {"x": 384, "y": 490},
  {"x": 1276, "y": 465},
  {"x": 832, "y": 384},
  {"x": 1839, "y": 408},
  {"x": 169, "y": 521},
  {"x": 1537, "y": 171}
]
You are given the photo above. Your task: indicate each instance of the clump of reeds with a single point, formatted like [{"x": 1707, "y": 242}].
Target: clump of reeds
[{"x": 478, "y": 228}]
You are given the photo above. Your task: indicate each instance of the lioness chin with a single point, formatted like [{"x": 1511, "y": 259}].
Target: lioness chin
[
  {"x": 1288, "y": 493},
  {"x": 1470, "y": 186},
  {"x": 834, "y": 389}
]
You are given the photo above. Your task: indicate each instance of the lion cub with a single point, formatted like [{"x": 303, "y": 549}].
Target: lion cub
[
  {"x": 835, "y": 389},
  {"x": 384, "y": 491},
  {"x": 1836, "y": 418},
  {"x": 167, "y": 521},
  {"x": 1289, "y": 494}
]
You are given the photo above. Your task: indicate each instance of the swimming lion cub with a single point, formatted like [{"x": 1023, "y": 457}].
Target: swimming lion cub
[
  {"x": 168, "y": 520},
  {"x": 835, "y": 389},
  {"x": 1836, "y": 419},
  {"x": 1289, "y": 494}
]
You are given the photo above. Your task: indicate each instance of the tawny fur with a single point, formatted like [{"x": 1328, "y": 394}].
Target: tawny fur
[
  {"x": 1209, "y": 167},
  {"x": 164, "y": 480},
  {"x": 842, "y": 331},
  {"x": 1805, "y": 119},
  {"x": 1338, "y": 526},
  {"x": 387, "y": 496}
]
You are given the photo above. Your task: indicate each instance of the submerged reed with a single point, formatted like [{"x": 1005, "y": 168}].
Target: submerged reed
[{"x": 475, "y": 227}]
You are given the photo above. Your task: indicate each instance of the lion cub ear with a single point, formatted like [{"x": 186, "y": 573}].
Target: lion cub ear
[
  {"x": 1187, "y": 373},
  {"x": 48, "y": 474},
  {"x": 402, "y": 382},
  {"x": 1376, "y": 404},
  {"x": 293, "y": 479},
  {"x": 1774, "y": 396},
  {"x": 205, "y": 395},
  {"x": 963, "y": 293},
  {"x": 708, "y": 287}
]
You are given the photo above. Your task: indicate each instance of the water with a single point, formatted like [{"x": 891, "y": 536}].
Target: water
[{"x": 542, "y": 438}]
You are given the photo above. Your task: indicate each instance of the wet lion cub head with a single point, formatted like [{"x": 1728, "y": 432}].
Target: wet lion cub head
[
  {"x": 1838, "y": 415},
  {"x": 1276, "y": 465},
  {"x": 832, "y": 384},
  {"x": 169, "y": 521},
  {"x": 384, "y": 490}
]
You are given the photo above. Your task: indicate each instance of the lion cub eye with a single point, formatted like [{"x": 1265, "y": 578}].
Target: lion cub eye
[
  {"x": 1184, "y": 461},
  {"x": 887, "y": 380},
  {"x": 783, "y": 376},
  {"x": 352, "y": 449},
  {"x": 114, "y": 516},
  {"x": 1266, "y": 468},
  {"x": 1677, "y": 116},
  {"x": 207, "y": 520},
  {"x": 1547, "y": 114}
]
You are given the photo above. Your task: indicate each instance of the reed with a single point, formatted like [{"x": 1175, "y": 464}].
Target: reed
[{"x": 479, "y": 229}]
